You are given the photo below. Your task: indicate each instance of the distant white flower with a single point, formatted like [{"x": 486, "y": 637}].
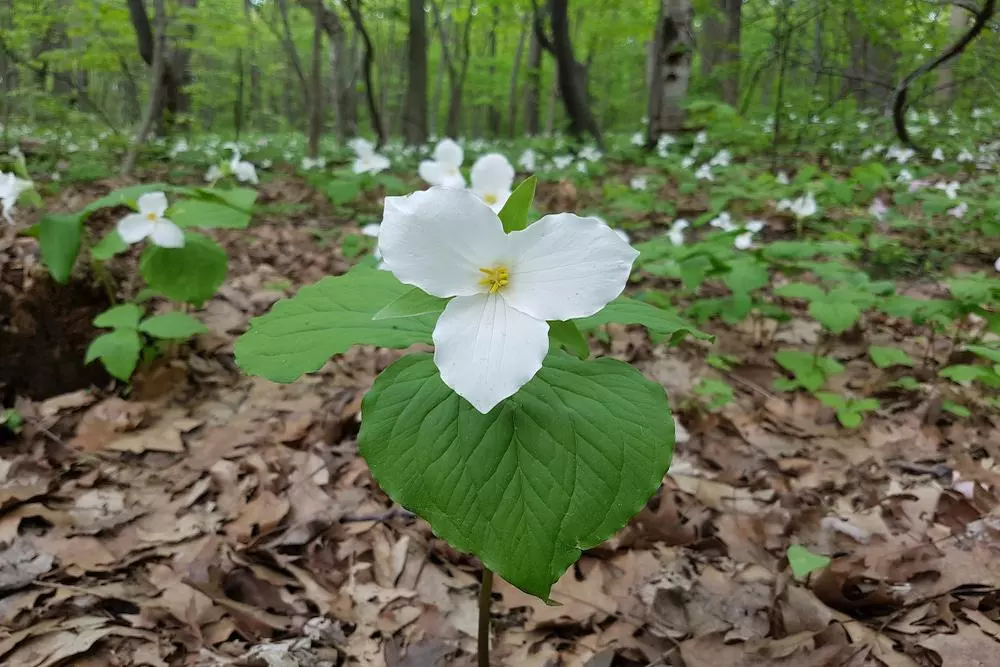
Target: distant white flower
[
  {"x": 704, "y": 173},
  {"x": 932, "y": 118},
  {"x": 266, "y": 164},
  {"x": 743, "y": 241},
  {"x": 862, "y": 125},
  {"x": 562, "y": 161},
  {"x": 590, "y": 154},
  {"x": 308, "y": 163},
  {"x": 11, "y": 188},
  {"x": 581, "y": 167},
  {"x": 527, "y": 160},
  {"x": 638, "y": 182},
  {"x": 867, "y": 154},
  {"x": 722, "y": 159},
  {"x": 978, "y": 113},
  {"x": 938, "y": 154},
  {"x": 150, "y": 223},
  {"x": 723, "y": 221},
  {"x": 701, "y": 138},
  {"x": 444, "y": 169},
  {"x": 243, "y": 170},
  {"x": 367, "y": 160},
  {"x": 676, "y": 232},
  {"x": 504, "y": 288},
  {"x": 782, "y": 178},
  {"x": 878, "y": 210},
  {"x": 214, "y": 173},
  {"x": 687, "y": 162},
  {"x": 663, "y": 144},
  {"x": 950, "y": 189},
  {"x": 904, "y": 176},
  {"x": 959, "y": 211},
  {"x": 477, "y": 145},
  {"x": 966, "y": 156},
  {"x": 754, "y": 226},
  {"x": 638, "y": 139},
  {"x": 837, "y": 146},
  {"x": 901, "y": 155},
  {"x": 180, "y": 147},
  {"x": 802, "y": 207},
  {"x": 492, "y": 178}
]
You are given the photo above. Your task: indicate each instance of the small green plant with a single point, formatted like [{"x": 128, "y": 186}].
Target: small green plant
[
  {"x": 850, "y": 411},
  {"x": 714, "y": 394},
  {"x": 11, "y": 420},
  {"x": 809, "y": 371},
  {"x": 803, "y": 562},
  {"x": 133, "y": 337}
]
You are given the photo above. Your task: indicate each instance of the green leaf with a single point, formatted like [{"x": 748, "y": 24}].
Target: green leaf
[
  {"x": 883, "y": 357},
  {"x": 300, "y": 334},
  {"x": 800, "y": 291},
  {"x": 810, "y": 371},
  {"x": 342, "y": 191},
  {"x": 804, "y": 562},
  {"x": 172, "y": 326},
  {"x": 241, "y": 198},
  {"x": 553, "y": 470},
  {"x": 125, "y": 316},
  {"x": 208, "y": 214},
  {"x": 963, "y": 373},
  {"x": 118, "y": 351},
  {"x": 837, "y": 316},
  {"x": 514, "y": 214},
  {"x": 412, "y": 303},
  {"x": 123, "y": 197},
  {"x": 568, "y": 336},
  {"x": 626, "y": 310},
  {"x": 112, "y": 244},
  {"x": 985, "y": 352},
  {"x": 190, "y": 274},
  {"x": 956, "y": 409},
  {"x": 849, "y": 418},
  {"x": 829, "y": 399},
  {"x": 59, "y": 239}
]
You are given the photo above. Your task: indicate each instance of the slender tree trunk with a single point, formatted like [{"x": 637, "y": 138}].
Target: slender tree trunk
[
  {"x": 957, "y": 24},
  {"x": 514, "y": 75},
  {"x": 316, "y": 89},
  {"x": 156, "y": 87},
  {"x": 181, "y": 63},
  {"x": 673, "y": 48},
  {"x": 415, "y": 108},
  {"x": 491, "y": 41},
  {"x": 550, "y": 112},
  {"x": 354, "y": 8},
  {"x": 166, "y": 113},
  {"x": 533, "y": 86}
]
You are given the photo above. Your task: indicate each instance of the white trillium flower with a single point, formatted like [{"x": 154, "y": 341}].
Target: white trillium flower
[
  {"x": 704, "y": 173},
  {"x": 959, "y": 211},
  {"x": 150, "y": 223},
  {"x": 744, "y": 241},
  {"x": 837, "y": 146},
  {"x": 492, "y": 178},
  {"x": 754, "y": 226},
  {"x": 723, "y": 221},
  {"x": 371, "y": 229},
  {"x": 309, "y": 163},
  {"x": 581, "y": 167},
  {"x": 701, "y": 138},
  {"x": 904, "y": 176},
  {"x": 562, "y": 161},
  {"x": 938, "y": 154},
  {"x": 528, "y": 160},
  {"x": 243, "y": 170},
  {"x": 862, "y": 125},
  {"x": 782, "y": 178},
  {"x": 802, "y": 207},
  {"x": 676, "y": 233},
  {"x": 950, "y": 189},
  {"x": 367, "y": 160},
  {"x": 214, "y": 173},
  {"x": 878, "y": 210},
  {"x": 722, "y": 159},
  {"x": 687, "y": 162},
  {"x": 663, "y": 144},
  {"x": 444, "y": 169},
  {"x": 11, "y": 188},
  {"x": 493, "y": 334},
  {"x": 590, "y": 154},
  {"x": 965, "y": 156},
  {"x": 638, "y": 139},
  {"x": 638, "y": 182}
]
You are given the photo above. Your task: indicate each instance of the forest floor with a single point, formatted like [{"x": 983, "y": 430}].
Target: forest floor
[{"x": 208, "y": 518}]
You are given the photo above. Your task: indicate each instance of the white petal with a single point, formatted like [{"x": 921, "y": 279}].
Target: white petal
[
  {"x": 361, "y": 147},
  {"x": 432, "y": 172},
  {"x": 153, "y": 202},
  {"x": 371, "y": 229},
  {"x": 134, "y": 227},
  {"x": 439, "y": 239},
  {"x": 166, "y": 234},
  {"x": 449, "y": 153},
  {"x": 566, "y": 267},
  {"x": 487, "y": 350},
  {"x": 492, "y": 173}
]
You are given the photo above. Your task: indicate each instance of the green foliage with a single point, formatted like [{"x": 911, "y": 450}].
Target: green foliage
[
  {"x": 514, "y": 214},
  {"x": 190, "y": 274},
  {"x": 714, "y": 394},
  {"x": 884, "y": 357},
  {"x": 549, "y": 472},
  {"x": 59, "y": 240},
  {"x": 810, "y": 372},
  {"x": 850, "y": 411},
  {"x": 803, "y": 562}
]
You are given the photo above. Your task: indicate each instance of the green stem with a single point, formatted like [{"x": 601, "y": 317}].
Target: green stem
[
  {"x": 104, "y": 277},
  {"x": 485, "y": 598}
]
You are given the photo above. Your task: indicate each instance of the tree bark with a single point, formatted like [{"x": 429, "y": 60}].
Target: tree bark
[
  {"x": 415, "y": 111},
  {"x": 292, "y": 52},
  {"x": 572, "y": 75},
  {"x": 316, "y": 87},
  {"x": 354, "y": 9},
  {"x": 514, "y": 76},
  {"x": 946, "y": 91},
  {"x": 156, "y": 86},
  {"x": 533, "y": 86},
  {"x": 720, "y": 48},
  {"x": 673, "y": 48},
  {"x": 165, "y": 114}
]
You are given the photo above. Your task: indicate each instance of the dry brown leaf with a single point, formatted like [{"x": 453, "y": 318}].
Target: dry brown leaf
[
  {"x": 970, "y": 647},
  {"x": 21, "y": 563}
]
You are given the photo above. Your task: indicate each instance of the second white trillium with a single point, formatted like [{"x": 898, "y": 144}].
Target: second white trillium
[
  {"x": 492, "y": 178},
  {"x": 493, "y": 334},
  {"x": 150, "y": 223}
]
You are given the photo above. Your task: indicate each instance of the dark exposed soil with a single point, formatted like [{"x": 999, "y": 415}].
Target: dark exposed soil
[{"x": 44, "y": 334}]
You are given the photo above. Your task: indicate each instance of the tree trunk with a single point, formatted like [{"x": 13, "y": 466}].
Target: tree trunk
[
  {"x": 673, "y": 47},
  {"x": 946, "y": 91},
  {"x": 181, "y": 62},
  {"x": 720, "y": 48},
  {"x": 156, "y": 85},
  {"x": 514, "y": 75},
  {"x": 533, "y": 87},
  {"x": 316, "y": 87},
  {"x": 493, "y": 113},
  {"x": 572, "y": 75},
  {"x": 165, "y": 114},
  {"x": 354, "y": 9},
  {"x": 415, "y": 111}
]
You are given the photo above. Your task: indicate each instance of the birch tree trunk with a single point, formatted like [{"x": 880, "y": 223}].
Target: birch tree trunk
[
  {"x": 673, "y": 49},
  {"x": 156, "y": 87}
]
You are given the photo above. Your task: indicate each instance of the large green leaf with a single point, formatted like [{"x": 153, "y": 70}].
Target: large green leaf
[
  {"x": 553, "y": 470},
  {"x": 59, "y": 239},
  {"x": 111, "y": 245},
  {"x": 514, "y": 214},
  {"x": 172, "y": 326},
  {"x": 299, "y": 334},
  {"x": 125, "y": 316},
  {"x": 208, "y": 214},
  {"x": 625, "y": 310},
  {"x": 837, "y": 316},
  {"x": 118, "y": 350},
  {"x": 190, "y": 274},
  {"x": 412, "y": 303}
]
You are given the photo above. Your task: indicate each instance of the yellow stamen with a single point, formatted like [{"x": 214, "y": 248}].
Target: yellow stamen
[
  {"x": 151, "y": 217},
  {"x": 495, "y": 279},
  {"x": 490, "y": 199}
]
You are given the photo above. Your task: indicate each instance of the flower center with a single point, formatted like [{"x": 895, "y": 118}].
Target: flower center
[
  {"x": 151, "y": 217},
  {"x": 490, "y": 199},
  {"x": 495, "y": 279}
]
